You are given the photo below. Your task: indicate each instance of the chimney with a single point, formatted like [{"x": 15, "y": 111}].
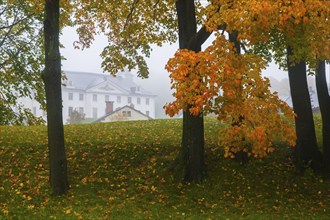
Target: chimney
[{"x": 108, "y": 107}]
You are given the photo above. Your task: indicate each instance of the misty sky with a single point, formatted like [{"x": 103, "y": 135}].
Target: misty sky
[
  {"x": 89, "y": 60},
  {"x": 158, "y": 82}
]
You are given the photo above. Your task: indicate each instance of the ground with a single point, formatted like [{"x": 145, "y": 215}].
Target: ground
[{"x": 119, "y": 170}]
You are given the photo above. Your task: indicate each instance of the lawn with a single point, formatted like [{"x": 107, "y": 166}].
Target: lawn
[{"x": 119, "y": 171}]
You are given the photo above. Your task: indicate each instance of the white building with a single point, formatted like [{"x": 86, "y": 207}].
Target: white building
[
  {"x": 125, "y": 113},
  {"x": 88, "y": 93}
]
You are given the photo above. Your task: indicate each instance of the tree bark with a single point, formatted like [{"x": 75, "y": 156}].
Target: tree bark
[
  {"x": 241, "y": 156},
  {"x": 52, "y": 79},
  {"x": 306, "y": 151},
  {"x": 191, "y": 165},
  {"x": 324, "y": 103}
]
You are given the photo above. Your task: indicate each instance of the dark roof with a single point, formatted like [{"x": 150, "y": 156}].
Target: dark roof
[
  {"x": 119, "y": 109},
  {"x": 85, "y": 81}
]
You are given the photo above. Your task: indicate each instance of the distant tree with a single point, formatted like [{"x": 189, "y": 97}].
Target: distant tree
[
  {"x": 76, "y": 117},
  {"x": 52, "y": 79}
]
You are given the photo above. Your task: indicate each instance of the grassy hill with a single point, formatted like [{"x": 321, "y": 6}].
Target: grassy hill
[{"x": 119, "y": 171}]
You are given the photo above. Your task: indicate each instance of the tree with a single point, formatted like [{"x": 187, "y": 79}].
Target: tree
[
  {"x": 306, "y": 147},
  {"x": 260, "y": 26},
  {"x": 21, "y": 61},
  {"x": 247, "y": 109},
  {"x": 324, "y": 102},
  {"x": 52, "y": 79},
  {"x": 23, "y": 57},
  {"x": 284, "y": 27},
  {"x": 131, "y": 29},
  {"x": 191, "y": 158}
]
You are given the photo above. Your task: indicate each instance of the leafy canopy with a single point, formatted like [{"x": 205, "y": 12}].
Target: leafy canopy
[
  {"x": 302, "y": 25},
  {"x": 245, "y": 102},
  {"x": 21, "y": 59},
  {"x": 230, "y": 85},
  {"x": 131, "y": 28}
]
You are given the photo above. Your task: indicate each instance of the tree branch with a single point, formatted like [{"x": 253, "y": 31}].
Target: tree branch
[
  {"x": 129, "y": 16},
  {"x": 13, "y": 24},
  {"x": 3, "y": 10},
  {"x": 243, "y": 47},
  {"x": 155, "y": 5},
  {"x": 201, "y": 36}
]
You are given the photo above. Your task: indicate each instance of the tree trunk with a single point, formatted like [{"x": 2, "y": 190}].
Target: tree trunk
[
  {"x": 52, "y": 79},
  {"x": 241, "y": 156},
  {"x": 192, "y": 148},
  {"x": 233, "y": 39},
  {"x": 191, "y": 167},
  {"x": 306, "y": 150},
  {"x": 324, "y": 103}
]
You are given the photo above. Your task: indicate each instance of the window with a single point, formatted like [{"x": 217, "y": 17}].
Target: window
[
  {"x": 129, "y": 99},
  {"x": 138, "y": 100},
  {"x": 147, "y": 101},
  {"x": 70, "y": 96},
  {"x": 70, "y": 110},
  {"x": 147, "y": 113},
  {"x": 118, "y": 99},
  {"x": 94, "y": 112},
  {"x": 81, "y": 97},
  {"x": 127, "y": 113},
  {"x": 106, "y": 98},
  {"x": 81, "y": 110},
  {"x": 94, "y": 97}
]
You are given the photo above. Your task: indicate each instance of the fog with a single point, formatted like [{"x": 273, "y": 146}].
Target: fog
[{"x": 89, "y": 60}]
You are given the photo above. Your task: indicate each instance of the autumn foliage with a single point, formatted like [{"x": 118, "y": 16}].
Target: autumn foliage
[
  {"x": 220, "y": 81},
  {"x": 301, "y": 24},
  {"x": 230, "y": 85}
]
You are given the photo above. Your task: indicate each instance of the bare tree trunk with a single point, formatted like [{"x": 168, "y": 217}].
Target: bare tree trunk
[
  {"x": 306, "y": 150},
  {"x": 324, "y": 103},
  {"x": 52, "y": 79}
]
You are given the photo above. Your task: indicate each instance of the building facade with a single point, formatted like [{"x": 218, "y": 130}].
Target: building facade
[{"x": 88, "y": 93}]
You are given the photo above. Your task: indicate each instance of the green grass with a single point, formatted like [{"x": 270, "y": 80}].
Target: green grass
[{"x": 119, "y": 171}]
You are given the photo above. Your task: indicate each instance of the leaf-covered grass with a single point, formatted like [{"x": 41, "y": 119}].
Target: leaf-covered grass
[{"x": 119, "y": 171}]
